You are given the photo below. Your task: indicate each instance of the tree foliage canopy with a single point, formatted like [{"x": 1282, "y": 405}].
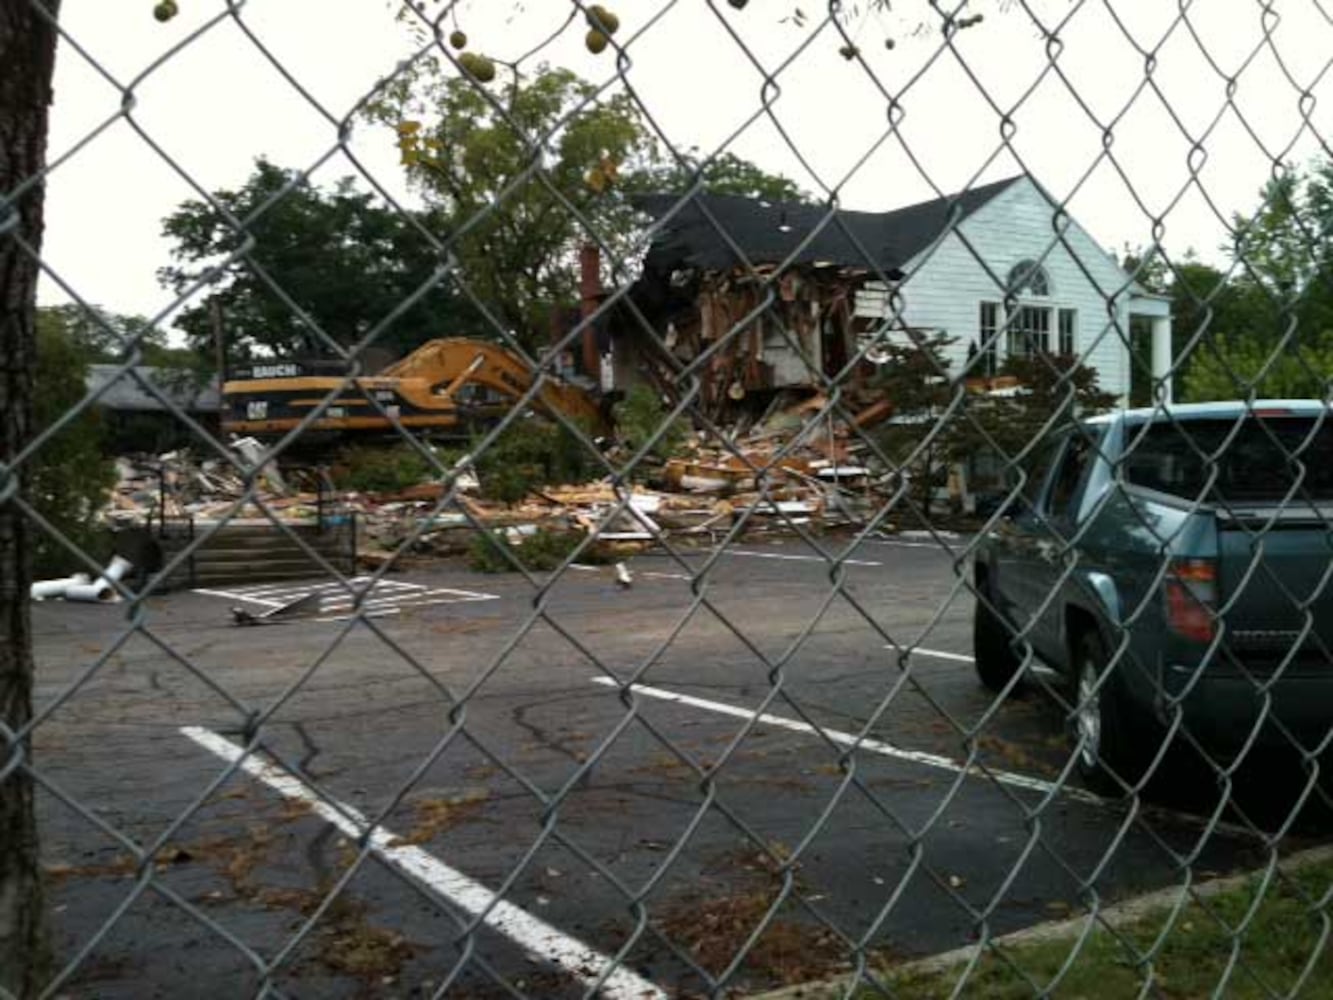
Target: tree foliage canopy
[
  {"x": 523, "y": 175},
  {"x": 1265, "y": 323},
  {"x": 100, "y": 336},
  {"x": 69, "y": 475},
  {"x": 346, "y": 261}
]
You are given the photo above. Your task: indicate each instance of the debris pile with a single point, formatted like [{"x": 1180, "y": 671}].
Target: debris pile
[
  {"x": 179, "y": 485},
  {"x": 786, "y": 470},
  {"x": 793, "y": 465}
]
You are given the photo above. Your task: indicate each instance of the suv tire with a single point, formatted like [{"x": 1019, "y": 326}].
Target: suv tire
[
  {"x": 1111, "y": 741},
  {"x": 996, "y": 660}
]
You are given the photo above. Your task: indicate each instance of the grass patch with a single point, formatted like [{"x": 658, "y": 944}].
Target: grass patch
[{"x": 1283, "y": 939}]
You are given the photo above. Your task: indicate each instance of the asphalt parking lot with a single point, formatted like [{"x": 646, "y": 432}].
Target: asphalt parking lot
[{"x": 482, "y": 720}]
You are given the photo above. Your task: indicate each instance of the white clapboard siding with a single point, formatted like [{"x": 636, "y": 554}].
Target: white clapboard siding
[{"x": 946, "y": 285}]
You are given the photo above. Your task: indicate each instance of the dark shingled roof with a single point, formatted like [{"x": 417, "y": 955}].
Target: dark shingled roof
[
  {"x": 126, "y": 394},
  {"x": 769, "y": 232}
]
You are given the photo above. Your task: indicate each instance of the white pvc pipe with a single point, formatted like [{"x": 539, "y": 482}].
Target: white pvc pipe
[
  {"x": 43, "y": 589},
  {"x": 118, "y": 568},
  {"x": 91, "y": 592},
  {"x": 79, "y": 588}
]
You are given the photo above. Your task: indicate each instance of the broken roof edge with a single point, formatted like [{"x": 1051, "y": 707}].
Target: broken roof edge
[{"x": 799, "y": 233}]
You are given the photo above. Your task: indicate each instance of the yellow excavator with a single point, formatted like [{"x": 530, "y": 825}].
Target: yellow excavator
[{"x": 445, "y": 388}]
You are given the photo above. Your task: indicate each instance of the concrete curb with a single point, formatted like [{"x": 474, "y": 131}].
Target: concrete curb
[{"x": 1116, "y": 915}]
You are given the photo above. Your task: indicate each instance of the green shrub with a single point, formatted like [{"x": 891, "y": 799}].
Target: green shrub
[
  {"x": 70, "y": 475},
  {"x": 382, "y": 469},
  {"x": 544, "y": 550},
  {"x": 638, "y": 417},
  {"x": 530, "y": 454}
]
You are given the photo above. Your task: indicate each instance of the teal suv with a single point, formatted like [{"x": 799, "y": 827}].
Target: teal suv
[{"x": 1173, "y": 565}]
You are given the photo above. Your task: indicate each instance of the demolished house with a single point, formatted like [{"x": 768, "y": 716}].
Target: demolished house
[{"x": 780, "y": 292}]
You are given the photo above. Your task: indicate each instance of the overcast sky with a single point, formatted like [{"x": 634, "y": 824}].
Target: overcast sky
[{"x": 216, "y": 104}]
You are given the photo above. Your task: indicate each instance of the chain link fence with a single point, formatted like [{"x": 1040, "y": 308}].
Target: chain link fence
[{"x": 576, "y": 561}]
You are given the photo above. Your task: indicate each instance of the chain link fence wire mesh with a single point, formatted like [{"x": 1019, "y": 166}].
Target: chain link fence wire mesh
[{"x": 765, "y": 584}]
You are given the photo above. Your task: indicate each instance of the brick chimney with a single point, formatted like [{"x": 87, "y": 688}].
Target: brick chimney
[{"x": 590, "y": 297}]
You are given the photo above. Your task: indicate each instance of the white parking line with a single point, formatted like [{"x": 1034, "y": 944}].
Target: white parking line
[
  {"x": 797, "y": 558},
  {"x": 281, "y": 591},
  {"x": 938, "y": 654},
  {"x": 385, "y": 597},
  {"x": 863, "y": 743},
  {"x": 340, "y": 601},
  {"x": 233, "y": 596},
  {"x": 646, "y": 573},
  {"x": 528, "y": 932},
  {"x": 1034, "y": 668},
  {"x": 894, "y": 544},
  {"x": 392, "y": 606},
  {"x": 334, "y": 591},
  {"x": 933, "y": 760}
]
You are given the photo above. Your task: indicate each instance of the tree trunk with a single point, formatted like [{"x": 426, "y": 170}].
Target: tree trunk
[{"x": 27, "y": 56}]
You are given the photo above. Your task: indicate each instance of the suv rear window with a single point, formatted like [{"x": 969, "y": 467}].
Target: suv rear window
[{"x": 1263, "y": 462}]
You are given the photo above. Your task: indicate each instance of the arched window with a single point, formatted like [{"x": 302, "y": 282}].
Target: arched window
[{"x": 1027, "y": 277}]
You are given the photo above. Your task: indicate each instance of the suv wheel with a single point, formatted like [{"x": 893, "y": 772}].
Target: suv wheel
[
  {"x": 995, "y": 658},
  {"x": 1102, "y": 726}
]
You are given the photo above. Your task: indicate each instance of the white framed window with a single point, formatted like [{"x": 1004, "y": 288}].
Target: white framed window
[
  {"x": 1027, "y": 279},
  {"x": 1028, "y": 331},
  {"x": 988, "y": 340},
  {"x": 1067, "y": 325}
]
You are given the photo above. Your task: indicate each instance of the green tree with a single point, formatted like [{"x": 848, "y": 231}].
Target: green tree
[
  {"x": 345, "y": 260},
  {"x": 1232, "y": 367},
  {"x": 725, "y": 173},
  {"x": 1267, "y": 326},
  {"x": 517, "y": 238},
  {"x": 1053, "y": 391},
  {"x": 103, "y": 337},
  {"x": 913, "y": 374},
  {"x": 1283, "y": 243},
  {"x": 639, "y": 416},
  {"x": 69, "y": 476},
  {"x": 1147, "y": 266},
  {"x": 474, "y": 155}
]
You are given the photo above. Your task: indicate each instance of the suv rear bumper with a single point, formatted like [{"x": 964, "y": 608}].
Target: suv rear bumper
[{"x": 1223, "y": 708}]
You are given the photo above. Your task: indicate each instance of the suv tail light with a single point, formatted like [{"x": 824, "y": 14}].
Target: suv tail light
[{"x": 1191, "y": 593}]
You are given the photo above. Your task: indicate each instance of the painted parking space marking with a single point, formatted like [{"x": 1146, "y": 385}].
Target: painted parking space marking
[
  {"x": 794, "y": 557},
  {"x": 289, "y": 591},
  {"x": 937, "y": 654},
  {"x": 870, "y": 745},
  {"x": 533, "y": 935},
  {"x": 647, "y": 574},
  {"x": 394, "y": 605},
  {"x": 864, "y": 743},
  {"x": 894, "y": 544},
  {"x": 230, "y": 596},
  {"x": 377, "y": 597},
  {"x": 1035, "y": 668}
]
